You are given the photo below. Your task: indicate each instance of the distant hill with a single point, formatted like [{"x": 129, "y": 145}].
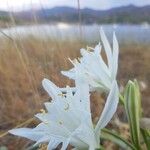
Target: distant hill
[
  {"x": 4, "y": 15},
  {"x": 4, "y": 18},
  {"x": 125, "y": 14}
]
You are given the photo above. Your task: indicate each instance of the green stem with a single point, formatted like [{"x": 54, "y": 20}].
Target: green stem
[
  {"x": 115, "y": 138},
  {"x": 146, "y": 138},
  {"x": 121, "y": 98}
]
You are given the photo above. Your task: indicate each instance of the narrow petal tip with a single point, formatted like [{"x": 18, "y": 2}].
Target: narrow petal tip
[{"x": 50, "y": 88}]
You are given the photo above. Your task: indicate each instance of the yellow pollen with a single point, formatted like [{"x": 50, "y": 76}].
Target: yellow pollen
[
  {"x": 89, "y": 49},
  {"x": 61, "y": 94},
  {"x": 42, "y": 111},
  {"x": 78, "y": 59},
  {"x": 75, "y": 61},
  {"x": 42, "y": 146}
]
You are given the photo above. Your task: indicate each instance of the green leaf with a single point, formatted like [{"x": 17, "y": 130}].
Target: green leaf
[
  {"x": 137, "y": 90},
  {"x": 133, "y": 111},
  {"x": 101, "y": 148},
  {"x": 121, "y": 99},
  {"x": 114, "y": 137},
  {"x": 146, "y": 137}
]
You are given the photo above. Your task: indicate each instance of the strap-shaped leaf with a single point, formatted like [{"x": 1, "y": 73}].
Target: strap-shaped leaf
[
  {"x": 137, "y": 89},
  {"x": 121, "y": 99},
  {"x": 133, "y": 111},
  {"x": 146, "y": 137},
  {"x": 114, "y": 137}
]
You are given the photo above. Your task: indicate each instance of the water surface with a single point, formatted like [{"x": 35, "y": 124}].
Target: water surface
[{"x": 61, "y": 31}]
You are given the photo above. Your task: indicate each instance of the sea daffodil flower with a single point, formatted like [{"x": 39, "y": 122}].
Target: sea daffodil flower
[
  {"x": 92, "y": 67},
  {"x": 67, "y": 119}
]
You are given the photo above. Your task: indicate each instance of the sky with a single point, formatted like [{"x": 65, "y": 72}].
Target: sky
[{"x": 17, "y": 5}]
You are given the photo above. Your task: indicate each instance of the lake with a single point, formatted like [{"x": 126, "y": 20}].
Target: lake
[{"x": 62, "y": 31}]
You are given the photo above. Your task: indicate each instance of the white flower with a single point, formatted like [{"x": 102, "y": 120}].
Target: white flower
[
  {"x": 93, "y": 69},
  {"x": 68, "y": 118}
]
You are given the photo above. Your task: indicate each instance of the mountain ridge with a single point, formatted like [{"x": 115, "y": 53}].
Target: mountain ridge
[{"x": 123, "y": 14}]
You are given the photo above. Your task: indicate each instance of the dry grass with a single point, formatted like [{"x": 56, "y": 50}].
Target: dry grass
[{"x": 25, "y": 62}]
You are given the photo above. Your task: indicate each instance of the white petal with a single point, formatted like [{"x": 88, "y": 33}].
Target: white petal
[
  {"x": 56, "y": 127},
  {"x": 27, "y": 133},
  {"x": 83, "y": 90},
  {"x": 65, "y": 110},
  {"x": 95, "y": 67},
  {"x": 97, "y": 49},
  {"x": 77, "y": 143},
  {"x": 65, "y": 144},
  {"x": 44, "y": 139},
  {"x": 109, "y": 108},
  {"x": 70, "y": 74},
  {"x": 115, "y": 56},
  {"x": 83, "y": 52},
  {"x": 64, "y": 90},
  {"x": 86, "y": 134},
  {"x": 107, "y": 47},
  {"x": 53, "y": 143},
  {"x": 51, "y": 88}
]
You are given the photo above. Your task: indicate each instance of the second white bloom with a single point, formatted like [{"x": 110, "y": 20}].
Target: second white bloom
[{"x": 93, "y": 69}]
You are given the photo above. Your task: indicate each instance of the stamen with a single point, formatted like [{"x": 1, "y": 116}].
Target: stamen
[
  {"x": 89, "y": 49},
  {"x": 42, "y": 111},
  {"x": 78, "y": 59},
  {"x": 61, "y": 94},
  {"x": 42, "y": 146}
]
